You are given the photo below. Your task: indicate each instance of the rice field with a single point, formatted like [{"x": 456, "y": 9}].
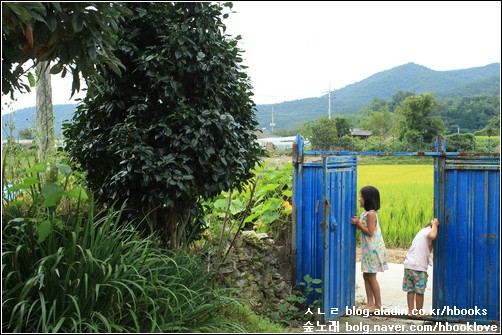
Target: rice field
[{"x": 406, "y": 199}]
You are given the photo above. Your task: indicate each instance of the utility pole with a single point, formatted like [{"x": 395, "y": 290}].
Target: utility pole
[
  {"x": 329, "y": 101},
  {"x": 272, "y": 124}
]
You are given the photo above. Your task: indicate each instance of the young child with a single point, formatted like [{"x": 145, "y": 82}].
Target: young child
[
  {"x": 415, "y": 268},
  {"x": 373, "y": 253}
]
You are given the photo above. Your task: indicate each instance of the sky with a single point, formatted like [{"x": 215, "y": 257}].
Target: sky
[{"x": 300, "y": 49}]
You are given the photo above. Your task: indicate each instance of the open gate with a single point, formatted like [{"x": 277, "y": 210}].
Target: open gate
[
  {"x": 325, "y": 245},
  {"x": 466, "y": 284}
]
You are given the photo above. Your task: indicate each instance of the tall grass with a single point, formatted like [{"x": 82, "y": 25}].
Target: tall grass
[
  {"x": 97, "y": 275},
  {"x": 407, "y": 199}
]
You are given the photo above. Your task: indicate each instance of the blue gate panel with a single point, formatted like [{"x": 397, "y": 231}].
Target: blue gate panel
[
  {"x": 308, "y": 198},
  {"x": 467, "y": 250},
  {"x": 324, "y": 201},
  {"x": 339, "y": 235}
]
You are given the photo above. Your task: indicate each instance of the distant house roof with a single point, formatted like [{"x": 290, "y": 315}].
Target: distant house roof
[{"x": 360, "y": 132}]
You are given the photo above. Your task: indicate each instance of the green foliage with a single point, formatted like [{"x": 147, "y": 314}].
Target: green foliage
[
  {"x": 343, "y": 125},
  {"x": 488, "y": 83},
  {"x": 270, "y": 209},
  {"x": 38, "y": 189},
  {"x": 96, "y": 275},
  {"x": 78, "y": 36},
  {"x": 488, "y": 143},
  {"x": 404, "y": 79},
  {"x": 27, "y": 134},
  {"x": 66, "y": 269},
  {"x": 397, "y": 99},
  {"x": 493, "y": 126},
  {"x": 308, "y": 296},
  {"x": 41, "y": 191},
  {"x": 394, "y": 160},
  {"x": 417, "y": 123},
  {"x": 177, "y": 126},
  {"x": 379, "y": 122},
  {"x": 248, "y": 320},
  {"x": 350, "y": 143},
  {"x": 321, "y": 133},
  {"x": 471, "y": 113},
  {"x": 286, "y": 132},
  {"x": 460, "y": 142}
]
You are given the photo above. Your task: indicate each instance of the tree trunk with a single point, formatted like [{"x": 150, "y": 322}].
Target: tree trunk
[
  {"x": 45, "y": 112},
  {"x": 172, "y": 229}
]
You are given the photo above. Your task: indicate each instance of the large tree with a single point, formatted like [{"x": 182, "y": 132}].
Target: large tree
[
  {"x": 418, "y": 123},
  {"x": 177, "y": 126},
  {"x": 343, "y": 125},
  {"x": 380, "y": 123},
  {"x": 321, "y": 133}
]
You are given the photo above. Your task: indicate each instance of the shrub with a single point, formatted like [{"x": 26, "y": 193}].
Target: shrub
[
  {"x": 177, "y": 126},
  {"x": 460, "y": 142}
]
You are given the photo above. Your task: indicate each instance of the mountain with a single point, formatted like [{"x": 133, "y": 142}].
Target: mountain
[
  {"x": 409, "y": 77},
  {"x": 26, "y": 118}
]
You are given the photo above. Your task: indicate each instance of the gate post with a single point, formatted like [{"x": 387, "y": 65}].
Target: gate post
[{"x": 297, "y": 160}]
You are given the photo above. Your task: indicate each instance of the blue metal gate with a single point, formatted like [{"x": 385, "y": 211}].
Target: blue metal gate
[
  {"x": 466, "y": 284},
  {"x": 325, "y": 242}
]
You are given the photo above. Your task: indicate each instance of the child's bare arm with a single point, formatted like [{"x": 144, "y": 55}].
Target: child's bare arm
[
  {"x": 370, "y": 222},
  {"x": 434, "y": 230}
]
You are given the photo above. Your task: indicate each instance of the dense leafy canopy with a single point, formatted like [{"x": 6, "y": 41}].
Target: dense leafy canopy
[
  {"x": 418, "y": 123},
  {"x": 322, "y": 133},
  {"x": 471, "y": 113},
  {"x": 177, "y": 126},
  {"x": 77, "y": 36}
]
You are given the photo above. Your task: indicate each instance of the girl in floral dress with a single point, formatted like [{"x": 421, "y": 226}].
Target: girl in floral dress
[{"x": 373, "y": 255}]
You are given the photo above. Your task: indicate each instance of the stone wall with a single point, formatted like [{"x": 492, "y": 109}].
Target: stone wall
[{"x": 262, "y": 270}]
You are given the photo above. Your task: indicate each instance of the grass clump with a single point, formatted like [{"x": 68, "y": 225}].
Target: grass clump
[{"x": 96, "y": 274}]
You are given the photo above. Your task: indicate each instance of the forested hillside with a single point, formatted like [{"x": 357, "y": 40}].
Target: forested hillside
[{"x": 409, "y": 77}]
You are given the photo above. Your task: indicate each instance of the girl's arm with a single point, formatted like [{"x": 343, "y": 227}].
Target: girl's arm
[
  {"x": 434, "y": 231},
  {"x": 370, "y": 221}
]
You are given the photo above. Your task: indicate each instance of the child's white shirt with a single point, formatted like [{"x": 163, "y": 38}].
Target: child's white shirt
[{"x": 418, "y": 257}]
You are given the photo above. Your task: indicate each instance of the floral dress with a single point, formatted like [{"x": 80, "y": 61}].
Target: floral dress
[{"x": 373, "y": 254}]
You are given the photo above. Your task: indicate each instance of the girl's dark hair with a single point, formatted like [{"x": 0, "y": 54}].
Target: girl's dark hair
[
  {"x": 371, "y": 198},
  {"x": 428, "y": 225}
]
